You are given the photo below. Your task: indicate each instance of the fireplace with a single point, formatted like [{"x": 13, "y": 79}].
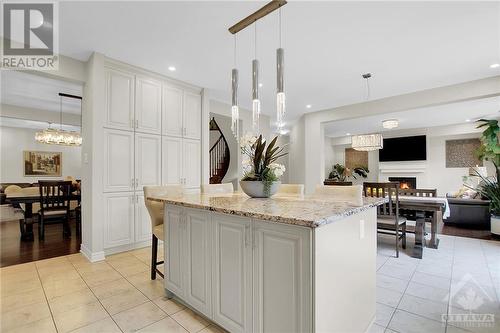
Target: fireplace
[{"x": 405, "y": 182}]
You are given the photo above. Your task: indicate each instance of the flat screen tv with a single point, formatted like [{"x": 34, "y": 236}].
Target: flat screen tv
[{"x": 408, "y": 148}]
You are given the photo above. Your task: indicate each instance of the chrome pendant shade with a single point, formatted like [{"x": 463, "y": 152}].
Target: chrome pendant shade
[
  {"x": 255, "y": 96},
  {"x": 280, "y": 85},
  {"x": 235, "y": 111}
]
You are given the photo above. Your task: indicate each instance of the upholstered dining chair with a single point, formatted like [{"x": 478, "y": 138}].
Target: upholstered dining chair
[
  {"x": 225, "y": 188},
  {"x": 353, "y": 194},
  {"x": 389, "y": 220},
  {"x": 290, "y": 190},
  {"x": 155, "y": 210}
]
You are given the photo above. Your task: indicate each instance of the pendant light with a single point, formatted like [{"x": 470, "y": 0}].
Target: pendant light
[
  {"x": 255, "y": 89},
  {"x": 367, "y": 142},
  {"x": 59, "y": 136},
  {"x": 280, "y": 80},
  {"x": 235, "y": 111}
]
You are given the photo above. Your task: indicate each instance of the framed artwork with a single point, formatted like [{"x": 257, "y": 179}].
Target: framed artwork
[
  {"x": 355, "y": 158},
  {"x": 42, "y": 164},
  {"x": 461, "y": 153}
]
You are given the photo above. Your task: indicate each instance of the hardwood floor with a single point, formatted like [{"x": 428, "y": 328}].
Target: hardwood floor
[{"x": 14, "y": 251}]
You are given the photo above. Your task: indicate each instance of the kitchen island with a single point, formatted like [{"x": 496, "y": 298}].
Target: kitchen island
[{"x": 283, "y": 264}]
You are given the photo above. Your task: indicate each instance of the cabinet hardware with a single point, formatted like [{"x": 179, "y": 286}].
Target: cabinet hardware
[{"x": 137, "y": 123}]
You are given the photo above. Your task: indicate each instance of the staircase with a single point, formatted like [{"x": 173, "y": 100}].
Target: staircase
[{"x": 219, "y": 155}]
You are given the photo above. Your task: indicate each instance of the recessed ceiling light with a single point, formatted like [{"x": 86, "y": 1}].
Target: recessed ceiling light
[
  {"x": 494, "y": 65},
  {"x": 260, "y": 84},
  {"x": 348, "y": 134},
  {"x": 390, "y": 123},
  {"x": 308, "y": 106},
  {"x": 467, "y": 120},
  {"x": 171, "y": 68}
]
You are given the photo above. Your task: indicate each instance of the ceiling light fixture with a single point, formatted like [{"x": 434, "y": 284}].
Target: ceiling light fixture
[
  {"x": 255, "y": 89},
  {"x": 235, "y": 110},
  {"x": 59, "y": 136},
  {"x": 348, "y": 134},
  {"x": 308, "y": 106},
  {"x": 467, "y": 120},
  {"x": 390, "y": 123},
  {"x": 494, "y": 65},
  {"x": 280, "y": 78},
  {"x": 172, "y": 68}
]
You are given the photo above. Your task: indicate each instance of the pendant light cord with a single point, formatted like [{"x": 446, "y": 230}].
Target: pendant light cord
[
  {"x": 280, "y": 25},
  {"x": 60, "y": 114},
  {"x": 255, "y": 39},
  {"x": 368, "y": 89},
  {"x": 234, "y": 55}
]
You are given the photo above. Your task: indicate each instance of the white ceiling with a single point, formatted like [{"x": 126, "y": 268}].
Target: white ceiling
[
  {"x": 34, "y": 124},
  {"x": 38, "y": 92},
  {"x": 449, "y": 114},
  {"x": 408, "y": 46}
]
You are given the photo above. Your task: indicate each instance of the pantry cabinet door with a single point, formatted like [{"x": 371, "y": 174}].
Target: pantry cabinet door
[
  {"x": 173, "y": 100},
  {"x": 191, "y": 168},
  {"x": 118, "y": 219},
  {"x": 148, "y": 105},
  {"x": 147, "y": 160},
  {"x": 118, "y": 161},
  {"x": 198, "y": 260},
  {"x": 192, "y": 115},
  {"x": 119, "y": 96},
  {"x": 232, "y": 279},
  {"x": 171, "y": 160}
]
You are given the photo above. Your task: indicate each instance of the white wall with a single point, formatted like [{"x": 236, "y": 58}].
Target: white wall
[{"x": 13, "y": 141}]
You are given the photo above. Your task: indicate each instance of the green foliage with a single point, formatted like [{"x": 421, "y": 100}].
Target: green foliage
[
  {"x": 341, "y": 173},
  {"x": 261, "y": 157},
  {"x": 490, "y": 147},
  {"x": 490, "y": 189}
]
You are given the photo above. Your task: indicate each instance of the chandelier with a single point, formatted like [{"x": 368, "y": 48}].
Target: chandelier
[
  {"x": 367, "y": 142},
  {"x": 53, "y": 136}
]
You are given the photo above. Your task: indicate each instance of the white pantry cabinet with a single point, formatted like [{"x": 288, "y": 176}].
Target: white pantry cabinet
[
  {"x": 118, "y": 161},
  {"x": 147, "y": 160},
  {"x": 242, "y": 267},
  {"x": 118, "y": 219},
  {"x": 147, "y": 105},
  {"x": 181, "y": 162},
  {"x": 232, "y": 268},
  {"x": 119, "y": 107},
  {"x": 181, "y": 112}
]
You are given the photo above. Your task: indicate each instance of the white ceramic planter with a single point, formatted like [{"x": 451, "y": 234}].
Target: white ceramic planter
[
  {"x": 255, "y": 189},
  {"x": 495, "y": 225}
]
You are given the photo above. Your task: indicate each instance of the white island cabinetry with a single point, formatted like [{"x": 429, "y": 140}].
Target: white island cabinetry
[{"x": 252, "y": 273}]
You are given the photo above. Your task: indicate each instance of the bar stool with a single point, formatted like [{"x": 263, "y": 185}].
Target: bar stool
[
  {"x": 217, "y": 188},
  {"x": 290, "y": 190},
  {"x": 155, "y": 210}
]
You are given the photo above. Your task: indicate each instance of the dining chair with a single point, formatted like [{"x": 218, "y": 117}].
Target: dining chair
[
  {"x": 225, "y": 188},
  {"x": 78, "y": 220},
  {"x": 54, "y": 205},
  {"x": 156, "y": 210},
  {"x": 417, "y": 192},
  {"x": 11, "y": 189},
  {"x": 353, "y": 194},
  {"x": 389, "y": 220},
  {"x": 287, "y": 190}
]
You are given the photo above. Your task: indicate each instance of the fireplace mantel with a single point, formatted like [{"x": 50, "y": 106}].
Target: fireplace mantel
[{"x": 402, "y": 167}]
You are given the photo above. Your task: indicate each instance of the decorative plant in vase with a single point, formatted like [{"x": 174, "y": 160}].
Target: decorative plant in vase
[
  {"x": 490, "y": 151},
  {"x": 261, "y": 173},
  {"x": 341, "y": 173}
]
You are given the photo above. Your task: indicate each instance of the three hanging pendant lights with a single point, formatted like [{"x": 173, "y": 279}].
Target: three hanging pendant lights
[{"x": 280, "y": 82}]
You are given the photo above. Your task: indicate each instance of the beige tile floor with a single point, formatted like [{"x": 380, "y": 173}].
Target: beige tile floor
[{"x": 70, "y": 294}]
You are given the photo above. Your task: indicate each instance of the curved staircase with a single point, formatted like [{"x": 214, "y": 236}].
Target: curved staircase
[{"x": 219, "y": 155}]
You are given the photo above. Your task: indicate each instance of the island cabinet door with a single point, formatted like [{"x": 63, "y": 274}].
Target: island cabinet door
[
  {"x": 282, "y": 278},
  {"x": 174, "y": 252},
  {"x": 232, "y": 282},
  {"x": 198, "y": 260}
]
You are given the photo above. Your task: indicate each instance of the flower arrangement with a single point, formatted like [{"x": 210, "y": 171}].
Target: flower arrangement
[
  {"x": 341, "y": 173},
  {"x": 260, "y": 162}
]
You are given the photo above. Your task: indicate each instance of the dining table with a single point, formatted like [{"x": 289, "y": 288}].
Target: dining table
[
  {"x": 436, "y": 207},
  {"x": 26, "y": 225}
]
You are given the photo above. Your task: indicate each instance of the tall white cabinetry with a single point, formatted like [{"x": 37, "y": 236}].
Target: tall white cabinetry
[
  {"x": 152, "y": 134},
  {"x": 181, "y": 129}
]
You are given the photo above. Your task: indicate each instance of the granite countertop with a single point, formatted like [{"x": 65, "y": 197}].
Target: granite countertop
[{"x": 302, "y": 211}]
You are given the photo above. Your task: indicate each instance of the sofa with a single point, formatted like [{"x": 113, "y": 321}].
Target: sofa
[{"x": 470, "y": 213}]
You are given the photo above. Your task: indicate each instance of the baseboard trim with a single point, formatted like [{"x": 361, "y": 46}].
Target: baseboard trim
[
  {"x": 91, "y": 256},
  {"x": 127, "y": 247}
]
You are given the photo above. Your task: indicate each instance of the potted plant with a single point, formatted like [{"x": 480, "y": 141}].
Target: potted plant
[
  {"x": 490, "y": 151},
  {"x": 340, "y": 173},
  {"x": 261, "y": 173}
]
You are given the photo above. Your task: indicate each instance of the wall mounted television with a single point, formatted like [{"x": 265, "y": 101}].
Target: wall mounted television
[{"x": 408, "y": 148}]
